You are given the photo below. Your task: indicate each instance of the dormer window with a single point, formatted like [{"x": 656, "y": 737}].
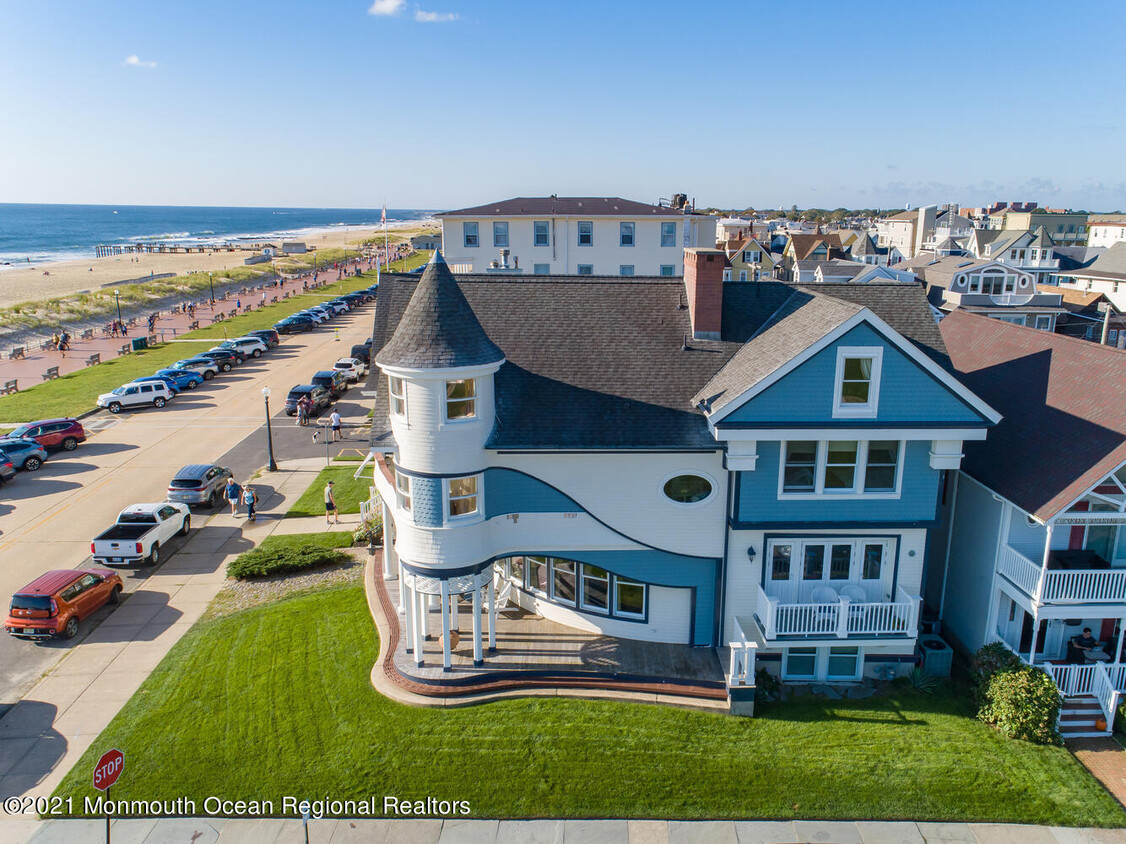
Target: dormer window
[
  {"x": 461, "y": 399},
  {"x": 398, "y": 396},
  {"x": 858, "y": 381}
]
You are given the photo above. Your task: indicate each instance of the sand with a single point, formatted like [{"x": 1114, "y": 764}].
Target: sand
[{"x": 64, "y": 278}]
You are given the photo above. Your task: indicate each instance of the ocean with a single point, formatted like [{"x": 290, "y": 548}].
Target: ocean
[{"x": 41, "y": 233}]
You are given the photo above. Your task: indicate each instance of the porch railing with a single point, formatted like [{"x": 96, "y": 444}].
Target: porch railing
[
  {"x": 1019, "y": 569},
  {"x": 741, "y": 671},
  {"x": 1100, "y": 680},
  {"x": 1105, "y": 693},
  {"x": 840, "y": 619},
  {"x": 1061, "y": 587},
  {"x": 1071, "y": 680}
]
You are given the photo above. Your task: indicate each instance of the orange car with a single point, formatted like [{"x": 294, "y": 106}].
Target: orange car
[{"x": 54, "y": 603}]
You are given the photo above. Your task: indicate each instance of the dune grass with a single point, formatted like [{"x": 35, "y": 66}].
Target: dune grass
[{"x": 288, "y": 708}]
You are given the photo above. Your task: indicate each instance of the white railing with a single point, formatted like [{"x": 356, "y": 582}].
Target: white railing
[
  {"x": 840, "y": 618},
  {"x": 1105, "y": 693},
  {"x": 1103, "y": 681},
  {"x": 741, "y": 670},
  {"x": 1077, "y": 586},
  {"x": 1071, "y": 680},
  {"x": 1019, "y": 569}
]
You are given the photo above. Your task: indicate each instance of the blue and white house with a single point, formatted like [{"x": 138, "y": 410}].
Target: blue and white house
[{"x": 754, "y": 467}]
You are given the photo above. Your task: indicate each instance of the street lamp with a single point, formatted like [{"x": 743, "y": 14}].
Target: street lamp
[
  {"x": 212, "y": 283},
  {"x": 273, "y": 466},
  {"x": 117, "y": 298}
]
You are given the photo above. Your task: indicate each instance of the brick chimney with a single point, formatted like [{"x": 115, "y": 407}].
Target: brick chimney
[{"x": 703, "y": 282}]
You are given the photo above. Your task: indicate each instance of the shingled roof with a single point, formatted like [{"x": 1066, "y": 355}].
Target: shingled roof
[
  {"x": 573, "y": 206},
  {"x": 1064, "y": 425},
  {"x": 438, "y": 329}
]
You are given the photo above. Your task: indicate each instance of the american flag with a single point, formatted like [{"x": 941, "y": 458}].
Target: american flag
[{"x": 383, "y": 217}]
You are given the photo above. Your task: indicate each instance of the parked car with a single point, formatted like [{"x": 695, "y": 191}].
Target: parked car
[
  {"x": 186, "y": 379},
  {"x": 239, "y": 355},
  {"x": 335, "y": 382},
  {"x": 135, "y": 395},
  {"x": 267, "y": 335},
  {"x": 320, "y": 396},
  {"x": 316, "y": 316},
  {"x": 249, "y": 346},
  {"x": 139, "y": 533},
  {"x": 355, "y": 299},
  {"x": 204, "y": 366},
  {"x": 338, "y": 306},
  {"x": 361, "y": 353},
  {"x": 7, "y": 470},
  {"x": 52, "y": 433},
  {"x": 199, "y": 483},
  {"x": 353, "y": 368},
  {"x": 225, "y": 359},
  {"x": 23, "y": 453},
  {"x": 55, "y": 602},
  {"x": 295, "y": 325},
  {"x": 170, "y": 383}
]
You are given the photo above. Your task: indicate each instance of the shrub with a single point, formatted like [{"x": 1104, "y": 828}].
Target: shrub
[
  {"x": 282, "y": 558},
  {"x": 1023, "y": 703},
  {"x": 370, "y": 530},
  {"x": 923, "y": 682},
  {"x": 767, "y": 685},
  {"x": 988, "y": 661}
]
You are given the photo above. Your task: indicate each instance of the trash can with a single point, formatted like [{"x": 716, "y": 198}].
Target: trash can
[
  {"x": 937, "y": 656},
  {"x": 140, "y": 343}
]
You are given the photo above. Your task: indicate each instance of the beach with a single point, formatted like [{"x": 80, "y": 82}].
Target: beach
[{"x": 54, "y": 279}]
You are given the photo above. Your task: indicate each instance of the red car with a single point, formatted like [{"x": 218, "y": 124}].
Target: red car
[
  {"x": 53, "y": 433},
  {"x": 54, "y": 603}
]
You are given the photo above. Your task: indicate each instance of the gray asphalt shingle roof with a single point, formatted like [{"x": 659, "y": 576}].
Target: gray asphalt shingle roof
[{"x": 573, "y": 206}]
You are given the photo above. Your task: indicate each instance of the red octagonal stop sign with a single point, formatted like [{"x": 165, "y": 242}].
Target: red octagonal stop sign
[{"x": 108, "y": 769}]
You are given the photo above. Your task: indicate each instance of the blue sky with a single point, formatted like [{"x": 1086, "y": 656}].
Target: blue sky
[{"x": 444, "y": 103}]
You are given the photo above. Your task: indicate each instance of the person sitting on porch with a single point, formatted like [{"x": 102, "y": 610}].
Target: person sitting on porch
[{"x": 1086, "y": 643}]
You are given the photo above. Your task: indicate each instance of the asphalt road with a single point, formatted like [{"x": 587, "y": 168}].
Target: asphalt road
[{"x": 49, "y": 517}]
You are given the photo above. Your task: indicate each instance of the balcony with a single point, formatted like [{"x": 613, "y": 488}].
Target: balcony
[
  {"x": 1073, "y": 586},
  {"x": 840, "y": 619}
]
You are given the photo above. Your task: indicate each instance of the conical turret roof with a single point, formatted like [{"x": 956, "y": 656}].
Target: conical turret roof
[{"x": 438, "y": 329}]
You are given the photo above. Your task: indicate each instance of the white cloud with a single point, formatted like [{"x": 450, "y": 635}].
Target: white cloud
[
  {"x": 434, "y": 17},
  {"x": 133, "y": 61},
  {"x": 387, "y": 7}
]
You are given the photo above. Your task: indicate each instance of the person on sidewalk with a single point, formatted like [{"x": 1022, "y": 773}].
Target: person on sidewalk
[
  {"x": 330, "y": 506},
  {"x": 232, "y": 492},
  {"x": 250, "y": 499},
  {"x": 335, "y": 420}
]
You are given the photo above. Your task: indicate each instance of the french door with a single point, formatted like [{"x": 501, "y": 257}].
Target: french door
[{"x": 796, "y": 569}]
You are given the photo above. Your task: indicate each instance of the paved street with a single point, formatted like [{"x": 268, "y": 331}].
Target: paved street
[{"x": 48, "y": 518}]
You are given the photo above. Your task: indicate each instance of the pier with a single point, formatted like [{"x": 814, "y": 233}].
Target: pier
[{"x": 172, "y": 248}]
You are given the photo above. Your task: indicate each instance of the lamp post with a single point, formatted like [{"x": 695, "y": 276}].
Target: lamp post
[
  {"x": 212, "y": 283},
  {"x": 273, "y": 466},
  {"x": 117, "y": 298}
]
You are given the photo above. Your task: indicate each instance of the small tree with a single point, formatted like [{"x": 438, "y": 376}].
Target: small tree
[{"x": 1024, "y": 704}]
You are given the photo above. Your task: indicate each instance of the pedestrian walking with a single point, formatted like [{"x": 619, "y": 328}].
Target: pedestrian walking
[
  {"x": 330, "y": 506},
  {"x": 335, "y": 421},
  {"x": 232, "y": 492},
  {"x": 303, "y": 411},
  {"x": 250, "y": 499},
  {"x": 114, "y": 328},
  {"x": 55, "y": 341}
]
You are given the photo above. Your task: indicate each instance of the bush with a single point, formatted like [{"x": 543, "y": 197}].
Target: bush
[
  {"x": 1023, "y": 703},
  {"x": 369, "y": 531},
  {"x": 767, "y": 686},
  {"x": 988, "y": 661},
  {"x": 283, "y": 557}
]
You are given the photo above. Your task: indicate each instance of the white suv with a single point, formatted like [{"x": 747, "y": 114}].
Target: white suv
[
  {"x": 143, "y": 394},
  {"x": 248, "y": 346},
  {"x": 353, "y": 368}
]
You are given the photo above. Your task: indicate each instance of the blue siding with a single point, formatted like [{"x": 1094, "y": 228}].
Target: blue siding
[
  {"x": 426, "y": 501},
  {"x": 908, "y": 394},
  {"x": 661, "y": 568},
  {"x": 758, "y": 500},
  {"x": 508, "y": 491}
]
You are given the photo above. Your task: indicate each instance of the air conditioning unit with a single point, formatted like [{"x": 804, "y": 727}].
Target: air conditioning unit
[{"x": 937, "y": 655}]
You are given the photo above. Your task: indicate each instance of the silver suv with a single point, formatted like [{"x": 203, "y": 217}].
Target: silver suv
[{"x": 199, "y": 483}]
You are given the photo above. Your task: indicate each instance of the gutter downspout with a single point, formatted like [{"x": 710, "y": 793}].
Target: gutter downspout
[{"x": 949, "y": 538}]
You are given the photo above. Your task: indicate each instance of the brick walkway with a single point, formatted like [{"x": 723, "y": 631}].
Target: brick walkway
[{"x": 1105, "y": 758}]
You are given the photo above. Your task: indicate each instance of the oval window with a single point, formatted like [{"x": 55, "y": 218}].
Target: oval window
[{"x": 687, "y": 489}]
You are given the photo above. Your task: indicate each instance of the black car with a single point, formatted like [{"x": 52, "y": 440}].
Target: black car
[
  {"x": 240, "y": 354},
  {"x": 333, "y": 380},
  {"x": 267, "y": 336},
  {"x": 224, "y": 359},
  {"x": 320, "y": 396},
  {"x": 354, "y": 299},
  {"x": 295, "y": 325},
  {"x": 361, "y": 353}
]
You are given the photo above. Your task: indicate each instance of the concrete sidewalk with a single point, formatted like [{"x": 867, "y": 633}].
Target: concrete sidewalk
[
  {"x": 425, "y": 831},
  {"x": 44, "y": 734}
]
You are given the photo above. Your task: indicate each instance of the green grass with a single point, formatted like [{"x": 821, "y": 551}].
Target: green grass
[
  {"x": 276, "y": 700},
  {"x": 335, "y": 539},
  {"x": 77, "y": 392},
  {"x": 292, "y": 553},
  {"x": 348, "y": 492}
]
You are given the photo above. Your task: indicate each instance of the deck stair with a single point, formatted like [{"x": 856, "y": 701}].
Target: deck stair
[{"x": 1077, "y": 717}]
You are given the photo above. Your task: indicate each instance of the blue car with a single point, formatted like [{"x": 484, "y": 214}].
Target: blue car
[
  {"x": 23, "y": 453},
  {"x": 185, "y": 379},
  {"x": 163, "y": 379}
]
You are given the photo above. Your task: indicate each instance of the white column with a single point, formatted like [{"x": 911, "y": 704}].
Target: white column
[
  {"x": 388, "y": 546},
  {"x": 478, "y": 657},
  {"x": 453, "y": 611},
  {"x": 419, "y": 609},
  {"x": 407, "y": 612},
  {"x": 446, "y": 624},
  {"x": 1035, "y": 636},
  {"x": 1116, "y": 657},
  {"x": 492, "y": 614}
]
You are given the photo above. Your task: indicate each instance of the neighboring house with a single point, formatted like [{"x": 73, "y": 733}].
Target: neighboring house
[
  {"x": 947, "y": 225},
  {"x": 862, "y": 248},
  {"x": 1036, "y": 546},
  {"x": 922, "y": 230},
  {"x": 898, "y": 232},
  {"x": 427, "y": 241},
  {"x": 836, "y": 270},
  {"x": 1065, "y": 227},
  {"x": 732, "y": 229},
  {"x": 1106, "y": 229},
  {"x": 1031, "y": 251},
  {"x": 810, "y": 247},
  {"x": 562, "y": 235},
  {"x": 748, "y": 260},
  {"x": 1106, "y": 274},
  {"x": 987, "y": 287},
  {"x": 664, "y": 460},
  {"x": 1087, "y": 313}
]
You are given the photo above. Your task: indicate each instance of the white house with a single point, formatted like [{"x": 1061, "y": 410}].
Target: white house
[
  {"x": 1106, "y": 230},
  {"x": 561, "y": 235}
]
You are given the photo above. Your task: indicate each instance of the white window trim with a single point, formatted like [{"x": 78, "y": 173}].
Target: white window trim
[
  {"x": 618, "y": 613},
  {"x": 477, "y": 514},
  {"x": 857, "y": 492},
  {"x": 681, "y": 505},
  {"x": 391, "y": 379},
  {"x": 475, "y": 398},
  {"x": 400, "y": 493},
  {"x": 580, "y": 593},
  {"x": 551, "y": 582},
  {"x": 858, "y": 411}
]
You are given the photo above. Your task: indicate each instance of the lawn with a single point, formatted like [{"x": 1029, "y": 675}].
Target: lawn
[
  {"x": 348, "y": 492},
  {"x": 276, "y": 700},
  {"x": 77, "y": 392}
]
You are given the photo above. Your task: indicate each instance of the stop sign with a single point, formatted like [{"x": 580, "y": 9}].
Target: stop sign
[{"x": 108, "y": 769}]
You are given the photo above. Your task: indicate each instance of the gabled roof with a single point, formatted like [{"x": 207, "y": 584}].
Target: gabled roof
[
  {"x": 1110, "y": 264},
  {"x": 805, "y": 244},
  {"x": 902, "y": 215},
  {"x": 438, "y": 329},
  {"x": 1064, "y": 426},
  {"x": 572, "y": 206}
]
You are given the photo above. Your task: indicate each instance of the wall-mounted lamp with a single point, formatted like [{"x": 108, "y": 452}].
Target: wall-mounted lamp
[{"x": 751, "y": 553}]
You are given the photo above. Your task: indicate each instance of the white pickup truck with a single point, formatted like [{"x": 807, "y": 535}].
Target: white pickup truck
[{"x": 140, "y": 532}]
